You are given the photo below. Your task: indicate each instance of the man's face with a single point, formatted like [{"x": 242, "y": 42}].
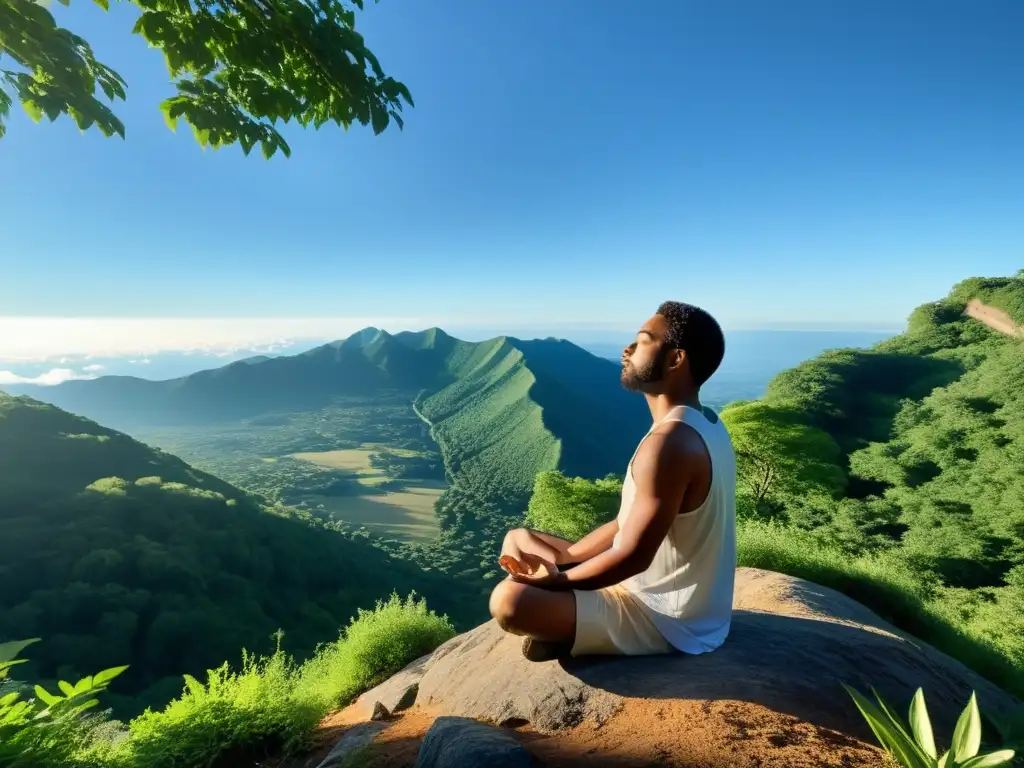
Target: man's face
[{"x": 644, "y": 361}]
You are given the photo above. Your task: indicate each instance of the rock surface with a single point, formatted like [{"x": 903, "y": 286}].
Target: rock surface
[
  {"x": 770, "y": 697},
  {"x": 396, "y": 693},
  {"x": 354, "y": 739},
  {"x": 457, "y": 742},
  {"x": 792, "y": 643}
]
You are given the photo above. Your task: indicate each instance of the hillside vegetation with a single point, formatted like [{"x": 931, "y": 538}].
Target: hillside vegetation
[
  {"x": 115, "y": 553},
  {"x": 892, "y": 474},
  {"x": 929, "y": 428}
]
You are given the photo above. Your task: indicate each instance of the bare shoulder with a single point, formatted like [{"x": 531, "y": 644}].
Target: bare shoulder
[{"x": 674, "y": 447}]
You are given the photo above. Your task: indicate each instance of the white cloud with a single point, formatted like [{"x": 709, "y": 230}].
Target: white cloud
[
  {"x": 38, "y": 339},
  {"x": 94, "y": 368},
  {"x": 49, "y": 378}
]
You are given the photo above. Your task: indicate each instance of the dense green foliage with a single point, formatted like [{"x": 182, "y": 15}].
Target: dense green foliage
[
  {"x": 571, "y": 507},
  {"x": 271, "y": 704},
  {"x": 116, "y": 553},
  {"x": 887, "y": 584},
  {"x": 779, "y": 460},
  {"x": 239, "y": 67},
  {"x": 931, "y": 425}
]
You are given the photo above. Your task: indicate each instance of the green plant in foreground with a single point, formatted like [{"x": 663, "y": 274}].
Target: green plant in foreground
[
  {"x": 918, "y": 750},
  {"x": 46, "y": 729},
  {"x": 1010, "y": 728}
]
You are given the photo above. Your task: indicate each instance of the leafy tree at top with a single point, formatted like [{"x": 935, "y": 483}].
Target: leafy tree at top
[
  {"x": 239, "y": 66},
  {"x": 779, "y": 459}
]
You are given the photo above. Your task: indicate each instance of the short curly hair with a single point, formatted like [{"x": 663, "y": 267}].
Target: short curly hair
[{"x": 697, "y": 333}]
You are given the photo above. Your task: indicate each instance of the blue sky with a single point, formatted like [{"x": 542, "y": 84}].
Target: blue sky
[{"x": 567, "y": 163}]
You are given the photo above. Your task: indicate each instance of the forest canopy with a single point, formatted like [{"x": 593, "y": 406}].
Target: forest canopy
[{"x": 239, "y": 67}]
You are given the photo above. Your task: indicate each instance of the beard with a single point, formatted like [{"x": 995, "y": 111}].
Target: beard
[{"x": 640, "y": 379}]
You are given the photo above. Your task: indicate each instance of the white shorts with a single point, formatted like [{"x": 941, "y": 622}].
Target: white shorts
[{"x": 611, "y": 622}]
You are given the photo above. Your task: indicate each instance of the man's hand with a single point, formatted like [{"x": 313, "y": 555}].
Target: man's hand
[
  {"x": 526, "y": 555},
  {"x": 544, "y": 574}
]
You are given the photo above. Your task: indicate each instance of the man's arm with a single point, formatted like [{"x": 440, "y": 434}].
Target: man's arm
[
  {"x": 593, "y": 544},
  {"x": 662, "y": 472},
  {"x": 561, "y": 551}
]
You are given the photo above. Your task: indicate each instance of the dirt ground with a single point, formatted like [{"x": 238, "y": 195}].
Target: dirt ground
[
  {"x": 996, "y": 319},
  {"x": 690, "y": 734}
]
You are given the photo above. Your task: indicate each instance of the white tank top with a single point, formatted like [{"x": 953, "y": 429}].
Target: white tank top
[{"x": 687, "y": 589}]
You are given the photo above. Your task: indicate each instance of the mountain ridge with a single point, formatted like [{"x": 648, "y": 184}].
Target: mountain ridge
[{"x": 580, "y": 418}]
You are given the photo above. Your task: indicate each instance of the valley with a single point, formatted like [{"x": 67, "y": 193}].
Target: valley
[
  {"x": 364, "y": 463},
  {"x": 419, "y": 439}
]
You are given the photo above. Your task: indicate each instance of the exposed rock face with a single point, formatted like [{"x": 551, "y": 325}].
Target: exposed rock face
[
  {"x": 996, "y": 319},
  {"x": 396, "y": 693},
  {"x": 792, "y": 643},
  {"x": 457, "y": 742},
  {"x": 354, "y": 739}
]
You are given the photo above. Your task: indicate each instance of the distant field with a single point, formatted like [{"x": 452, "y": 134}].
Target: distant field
[
  {"x": 295, "y": 461},
  {"x": 407, "y": 515},
  {"x": 352, "y": 459}
]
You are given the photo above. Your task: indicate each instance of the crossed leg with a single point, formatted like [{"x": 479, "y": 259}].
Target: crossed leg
[{"x": 523, "y": 609}]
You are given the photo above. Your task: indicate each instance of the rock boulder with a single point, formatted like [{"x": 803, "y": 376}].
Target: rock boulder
[
  {"x": 777, "y": 678},
  {"x": 791, "y": 645}
]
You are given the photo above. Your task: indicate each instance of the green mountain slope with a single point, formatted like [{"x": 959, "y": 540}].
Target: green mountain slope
[
  {"x": 930, "y": 431},
  {"x": 116, "y": 553}
]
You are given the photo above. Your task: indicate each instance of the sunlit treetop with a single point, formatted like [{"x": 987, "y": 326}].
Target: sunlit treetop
[{"x": 239, "y": 67}]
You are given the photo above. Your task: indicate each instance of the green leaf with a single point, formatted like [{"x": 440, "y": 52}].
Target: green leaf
[
  {"x": 944, "y": 760},
  {"x": 1002, "y": 757},
  {"x": 16, "y": 714},
  {"x": 86, "y": 704},
  {"x": 921, "y": 724},
  {"x": 889, "y": 734},
  {"x": 6, "y": 665},
  {"x": 67, "y": 688},
  {"x": 967, "y": 734},
  {"x": 169, "y": 117},
  {"x": 10, "y": 650},
  {"x": 10, "y": 698},
  {"x": 104, "y": 677},
  {"x": 46, "y": 697}
]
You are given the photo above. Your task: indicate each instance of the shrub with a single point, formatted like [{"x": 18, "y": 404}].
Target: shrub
[
  {"x": 375, "y": 645},
  {"x": 273, "y": 705}
]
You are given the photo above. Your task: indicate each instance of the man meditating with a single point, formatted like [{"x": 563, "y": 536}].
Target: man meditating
[{"x": 660, "y": 575}]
